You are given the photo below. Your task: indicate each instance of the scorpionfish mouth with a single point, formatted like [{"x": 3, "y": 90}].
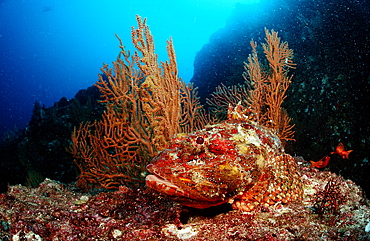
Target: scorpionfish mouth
[{"x": 160, "y": 184}]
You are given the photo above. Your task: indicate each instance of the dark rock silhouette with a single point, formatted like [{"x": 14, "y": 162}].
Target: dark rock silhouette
[{"x": 326, "y": 98}]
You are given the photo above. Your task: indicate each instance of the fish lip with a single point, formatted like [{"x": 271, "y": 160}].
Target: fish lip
[
  {"x": 164, "y": 186},
  {"x": 154, "y": 177},
  {"x": 158, "y": 180}
]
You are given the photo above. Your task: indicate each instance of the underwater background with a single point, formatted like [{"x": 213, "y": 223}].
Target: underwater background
[
  {"x": 51, "y": 53},
  {"x": 51, "y": 49},
  {"x": 79, "y": 148}
]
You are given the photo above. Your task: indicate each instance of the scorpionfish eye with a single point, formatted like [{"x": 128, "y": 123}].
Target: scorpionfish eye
[{"x": 199, "y": 140}]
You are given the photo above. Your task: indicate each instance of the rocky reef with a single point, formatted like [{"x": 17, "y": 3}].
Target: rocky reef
[
  {"x": 38, "y": 151},
  {"x": 332, "y": 209},
  {"x": 330, "y": 84}
]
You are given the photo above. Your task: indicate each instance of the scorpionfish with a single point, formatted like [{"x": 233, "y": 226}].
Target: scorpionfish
[{"x": 237, "y": 162}]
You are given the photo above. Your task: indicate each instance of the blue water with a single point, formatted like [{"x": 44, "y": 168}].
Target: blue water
[{"x": 50, "y": 49}]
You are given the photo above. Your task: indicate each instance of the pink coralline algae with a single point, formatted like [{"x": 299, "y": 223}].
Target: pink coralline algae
[{"x": 54, "y": 211}]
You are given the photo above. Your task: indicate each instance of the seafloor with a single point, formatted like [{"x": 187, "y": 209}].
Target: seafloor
[{"x": 332, "y": 209}]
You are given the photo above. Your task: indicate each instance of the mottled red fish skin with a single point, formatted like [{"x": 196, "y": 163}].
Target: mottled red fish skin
[{"x": 237, "y": 162}]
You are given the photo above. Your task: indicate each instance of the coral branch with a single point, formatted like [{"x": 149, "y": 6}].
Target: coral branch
[
  {"x": 269, "y": 87},
  {"x": 224, "y": 96},
  {"x": 265, "y": 88},
  {"x": 146, "y": 105}
]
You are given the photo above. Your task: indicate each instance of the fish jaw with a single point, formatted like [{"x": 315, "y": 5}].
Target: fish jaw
[
  {"x": 162, "y": 185},
  {"x": 179, "y": 195}
]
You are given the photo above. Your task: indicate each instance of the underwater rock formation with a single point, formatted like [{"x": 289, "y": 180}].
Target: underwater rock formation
[
  {"x": 331, "y": 81},
  {"x": 39, "y": 150},
  {"x": 55, "y": 211}
]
